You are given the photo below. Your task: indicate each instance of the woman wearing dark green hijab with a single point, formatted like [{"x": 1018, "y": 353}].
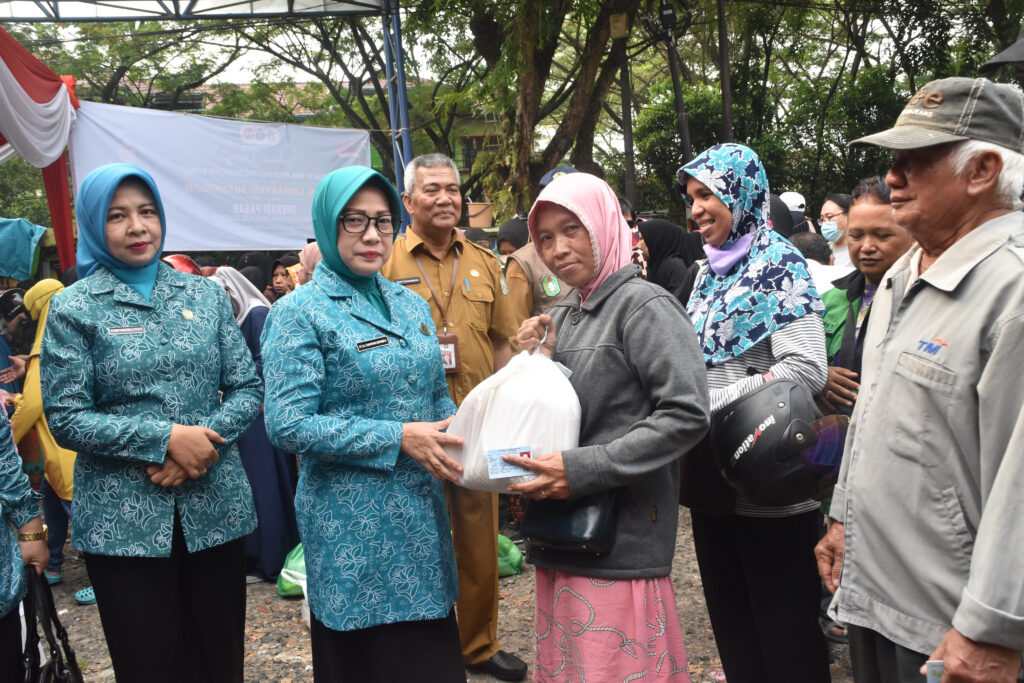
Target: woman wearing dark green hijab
[{"x": 355, "y": 385}]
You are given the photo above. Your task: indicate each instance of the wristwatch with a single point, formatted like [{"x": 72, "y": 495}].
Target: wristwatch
[{"x": 35, "y": 535}]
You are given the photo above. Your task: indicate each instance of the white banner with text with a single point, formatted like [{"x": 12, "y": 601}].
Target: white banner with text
[{"x": 226, "y": 185}]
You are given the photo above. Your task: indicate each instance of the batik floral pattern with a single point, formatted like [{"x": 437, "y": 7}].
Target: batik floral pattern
[
  {"x": 766, "y": 289},
  {"x": 373, "y": 522},
  {"x": 18, "y": 505},
  {"x": 117, "y": 372}
]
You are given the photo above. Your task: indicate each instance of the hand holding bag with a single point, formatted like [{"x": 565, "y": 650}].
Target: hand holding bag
[
  {"x": 62, "y": 665},
  {"x": 527, "y": 408}
]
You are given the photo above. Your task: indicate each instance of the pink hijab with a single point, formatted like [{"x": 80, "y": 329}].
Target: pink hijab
[
  {"x": 308, "y": 258},
  {"x": 594, "y": 203}
]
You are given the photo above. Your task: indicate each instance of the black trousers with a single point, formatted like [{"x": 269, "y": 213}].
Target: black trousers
[
  {"x": 173, "y": 619},
  {"x": 422, "y": 651},
  {"x": 761, "y": 587},
  {"x": 876, "y": 659},
  {"x": 11, "y": 668}
]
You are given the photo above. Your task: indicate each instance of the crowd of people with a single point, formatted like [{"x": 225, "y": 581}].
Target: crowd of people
[{"x": 195, "y": 421}]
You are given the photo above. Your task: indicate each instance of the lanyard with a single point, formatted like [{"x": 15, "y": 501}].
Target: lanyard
[{"x": 433, "y": 292}]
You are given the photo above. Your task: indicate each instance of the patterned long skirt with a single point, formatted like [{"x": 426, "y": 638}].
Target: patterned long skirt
[{"x": 603, "y": 630}]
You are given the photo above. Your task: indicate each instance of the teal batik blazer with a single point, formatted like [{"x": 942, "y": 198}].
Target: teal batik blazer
[
  {"x": 117, "y": 372},
  {"x": 18, "y": 505},
  {"x": 341, "y": 380}
]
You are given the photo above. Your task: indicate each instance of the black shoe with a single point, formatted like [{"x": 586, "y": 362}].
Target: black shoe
[{"x": 502, "y": 665}]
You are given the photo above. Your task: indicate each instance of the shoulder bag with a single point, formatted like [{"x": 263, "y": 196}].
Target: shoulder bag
[
  {"x": 61, "y": 665},
  {"x": 580, "y": 525}
]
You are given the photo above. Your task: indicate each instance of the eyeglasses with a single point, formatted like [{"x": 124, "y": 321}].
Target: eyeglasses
[
  {"x": 357, "y": 223},
  {"x": 830, "y": 217}
]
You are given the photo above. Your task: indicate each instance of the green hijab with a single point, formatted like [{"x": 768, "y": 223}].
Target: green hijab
[{"x": 333, "y": 192}]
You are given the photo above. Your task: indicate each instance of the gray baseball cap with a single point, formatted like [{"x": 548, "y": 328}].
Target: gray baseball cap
[
  {"x": 1014, "y": 53},
  {"x": 955, "y": 109}
]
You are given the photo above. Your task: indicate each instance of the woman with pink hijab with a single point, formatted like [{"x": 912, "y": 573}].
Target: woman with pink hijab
[
  {"x": 308, "y": 258},
  {"x": 640, "y": 378}
]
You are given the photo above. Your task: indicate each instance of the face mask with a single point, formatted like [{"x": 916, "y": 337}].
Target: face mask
[{"x": 830, "y": 230}]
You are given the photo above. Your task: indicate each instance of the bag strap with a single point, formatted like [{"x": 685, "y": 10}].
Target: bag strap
[
  {"x": 63, "y": 656},
  {"x": 43, "y": 601},
  {"x": 72, "y": 672},
  {"x": 30, "y": 655}
]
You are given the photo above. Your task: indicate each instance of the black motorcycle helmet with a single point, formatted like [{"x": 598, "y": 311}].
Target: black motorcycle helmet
[
  {"x": 775, "y": 447},
  {"x": 12, "y": 303}
]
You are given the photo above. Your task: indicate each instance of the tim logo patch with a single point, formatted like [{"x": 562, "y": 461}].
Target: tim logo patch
[{"x": 931, "y": 346}]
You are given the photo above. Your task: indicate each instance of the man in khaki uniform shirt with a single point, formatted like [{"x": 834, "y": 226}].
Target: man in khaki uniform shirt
[{"x": 469, "y": 301}]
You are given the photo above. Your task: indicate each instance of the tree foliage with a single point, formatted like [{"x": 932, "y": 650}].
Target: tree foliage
[{"x": 807, "y": 77}]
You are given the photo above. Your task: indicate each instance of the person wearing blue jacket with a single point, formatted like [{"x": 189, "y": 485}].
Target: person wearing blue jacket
[
  {"x": 19, "y": 510},
  {"x": 356, "y": 388},
  {"x": 145, "y": 374}
]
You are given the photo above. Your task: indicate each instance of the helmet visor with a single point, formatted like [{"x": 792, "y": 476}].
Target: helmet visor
[{"x": 824, "y": 457}]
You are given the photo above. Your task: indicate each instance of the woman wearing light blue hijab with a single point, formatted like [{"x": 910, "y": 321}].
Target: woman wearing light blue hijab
[
  {"x": 145, "y": 374},
  {"x": 355, "y": 386}
]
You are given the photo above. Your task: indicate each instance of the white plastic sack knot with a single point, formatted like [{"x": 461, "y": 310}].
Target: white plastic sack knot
[{"x": 528, "y": 407}]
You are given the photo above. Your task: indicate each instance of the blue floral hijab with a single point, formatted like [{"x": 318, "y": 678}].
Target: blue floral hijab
[
  {"x": 764, "y": 290},
  {"x": 93, "y": 204}
]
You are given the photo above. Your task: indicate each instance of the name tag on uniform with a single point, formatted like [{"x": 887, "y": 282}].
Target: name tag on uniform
[
  {"x": 138, "y": 329},
  {"x": 408, "y": 281},
  {"x": 450, "y": 359},
  {"x": 374, "y": 343}
]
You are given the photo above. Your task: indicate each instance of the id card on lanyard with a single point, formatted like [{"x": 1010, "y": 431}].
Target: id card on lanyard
[{"x": 449, "y": 343}]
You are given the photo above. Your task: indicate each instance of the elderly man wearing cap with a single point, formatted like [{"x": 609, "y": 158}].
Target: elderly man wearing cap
[{"x": 926, "y": 545}]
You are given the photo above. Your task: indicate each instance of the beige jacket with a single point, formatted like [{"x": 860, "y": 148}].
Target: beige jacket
[{"x": 932, "y": 485}]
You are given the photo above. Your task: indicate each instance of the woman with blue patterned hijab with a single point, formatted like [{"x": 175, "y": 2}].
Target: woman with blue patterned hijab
[
  {"x": 145, "y": 374},
  {"x": 355, "y": 386},
  {"x": 754, "y": 282},
  {"x": 757, "y": 317}
]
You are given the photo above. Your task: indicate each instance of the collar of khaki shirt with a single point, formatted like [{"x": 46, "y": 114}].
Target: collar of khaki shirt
[{"x": 413, "y": 241}]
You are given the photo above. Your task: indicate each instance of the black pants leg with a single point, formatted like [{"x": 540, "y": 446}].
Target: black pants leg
[
  {"x": 177, "y": 618},
  {"x": 761, "y": 586},
  {"x": 876, "y": 659},
  {"x": 11, "y": 668},
  {"x": 422, "y": 651},
  {"x": 214, "y": 606}
]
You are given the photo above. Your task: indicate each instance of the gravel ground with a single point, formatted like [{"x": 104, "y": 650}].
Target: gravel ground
[{"x": 277, "y": 643}]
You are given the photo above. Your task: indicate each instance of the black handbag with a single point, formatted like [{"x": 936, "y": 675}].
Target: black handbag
[
  {"x": 581, "y": 525},
  {"x": 702, "y": 488},
  {"x": 62, "y": 665}
]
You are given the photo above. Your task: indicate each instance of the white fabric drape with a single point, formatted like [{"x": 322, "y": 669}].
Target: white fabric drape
[
  {"x": 6, "y": 152},
  {"x": 37, "y": 132}
]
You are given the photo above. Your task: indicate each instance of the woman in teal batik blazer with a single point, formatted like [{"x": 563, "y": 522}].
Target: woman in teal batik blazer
[
  {"x": 355, "y": 386},
  {"x": 19, "y": 509},
  {"x": 145, "y": 374}
]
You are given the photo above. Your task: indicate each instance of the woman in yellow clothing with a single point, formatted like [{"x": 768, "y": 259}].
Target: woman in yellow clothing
[{"x": 57, "y": 485}]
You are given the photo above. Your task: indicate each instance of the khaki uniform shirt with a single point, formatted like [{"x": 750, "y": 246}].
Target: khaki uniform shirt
[{"x": 479, "y": 304}]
